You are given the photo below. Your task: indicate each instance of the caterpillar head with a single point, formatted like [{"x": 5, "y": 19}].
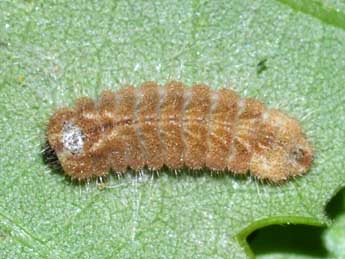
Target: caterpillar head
[
  {"x": 71, "y": 135},
  {"x": 282, "y": 150}
]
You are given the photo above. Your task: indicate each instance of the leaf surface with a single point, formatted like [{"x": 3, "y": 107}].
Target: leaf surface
[{"x": 289, "y": 54}]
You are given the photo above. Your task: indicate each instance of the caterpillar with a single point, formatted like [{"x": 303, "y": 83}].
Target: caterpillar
[{"x": 177, "y": 126}]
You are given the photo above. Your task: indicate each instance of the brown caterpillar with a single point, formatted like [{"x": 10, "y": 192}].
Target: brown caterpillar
[{"x": 176, "y": 126}]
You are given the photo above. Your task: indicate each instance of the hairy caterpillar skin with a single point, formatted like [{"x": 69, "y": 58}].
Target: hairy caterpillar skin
[{"x": 177, "y": 126}]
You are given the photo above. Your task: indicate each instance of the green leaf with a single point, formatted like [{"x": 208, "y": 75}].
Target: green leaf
[
  {"x": 290, "y": 54},
  {"x": 296, "y": 241},
  {"x": 334, "y": 236}
]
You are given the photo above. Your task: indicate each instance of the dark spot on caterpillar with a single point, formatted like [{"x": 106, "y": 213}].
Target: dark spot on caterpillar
[
  {"x": 301, "y": 156},
  {"x": 177, "y": 127},
  {"x": 298, "y": 154}
]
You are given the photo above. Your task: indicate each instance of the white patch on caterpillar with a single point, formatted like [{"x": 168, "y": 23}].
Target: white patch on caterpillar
[{"x": 72, "y": 138}]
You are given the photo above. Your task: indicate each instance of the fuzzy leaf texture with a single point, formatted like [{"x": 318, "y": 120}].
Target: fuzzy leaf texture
[{"x": 289, "y": 54}]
